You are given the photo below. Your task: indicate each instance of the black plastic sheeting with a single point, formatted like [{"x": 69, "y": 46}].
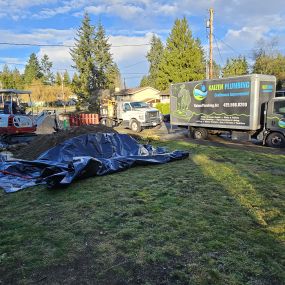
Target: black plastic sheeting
[{"x": 81, "y": 157}]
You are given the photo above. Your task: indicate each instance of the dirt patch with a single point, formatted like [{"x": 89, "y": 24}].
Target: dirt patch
[{"x": 44, "y": 142}]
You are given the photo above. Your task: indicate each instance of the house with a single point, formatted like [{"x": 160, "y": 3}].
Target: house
[
  {"x": 164, "y": 96},
  {"x": 146, "y": 94}
]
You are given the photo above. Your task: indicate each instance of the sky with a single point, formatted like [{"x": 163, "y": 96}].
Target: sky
[{"x": 238, "y": 26}]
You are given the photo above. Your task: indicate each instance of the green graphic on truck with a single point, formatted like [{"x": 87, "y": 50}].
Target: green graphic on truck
[
  {"x": 212, "y": 102},
  {"x": 200, "y": 92},
  {"x": 281, "y": 123}
]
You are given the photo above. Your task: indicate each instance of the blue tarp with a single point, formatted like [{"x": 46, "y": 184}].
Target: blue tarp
[{"x": 81, "y": 157}]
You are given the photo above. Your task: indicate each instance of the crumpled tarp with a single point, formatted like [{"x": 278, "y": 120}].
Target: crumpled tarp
[{"x": 81, "y": 157}]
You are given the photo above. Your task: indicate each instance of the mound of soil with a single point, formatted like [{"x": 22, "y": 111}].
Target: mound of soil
[{"x": 44, "y": 142}]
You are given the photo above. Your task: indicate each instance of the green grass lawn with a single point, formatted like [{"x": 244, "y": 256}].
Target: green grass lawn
[{"x": 215, "y": 218}]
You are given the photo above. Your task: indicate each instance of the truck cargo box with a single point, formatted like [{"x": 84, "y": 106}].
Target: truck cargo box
[{"x": 228, "y": 103}]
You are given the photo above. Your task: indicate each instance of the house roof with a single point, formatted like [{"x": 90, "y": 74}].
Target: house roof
[
  {"x": 132, "y": 91},
  {"x": 151, "y": 100},
  {"x": 164, "y": 92}
]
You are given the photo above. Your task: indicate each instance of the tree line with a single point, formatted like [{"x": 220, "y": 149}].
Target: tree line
[
  {"x": 39, "y": 78},
  {"x": 183, "y": 59}
]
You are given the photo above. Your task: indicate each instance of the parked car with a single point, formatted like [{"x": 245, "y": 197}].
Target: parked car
[
  {"x": 59, "y": 103},
  {"x": 71, "y": 102}
]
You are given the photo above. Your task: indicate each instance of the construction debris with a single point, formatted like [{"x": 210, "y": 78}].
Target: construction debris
[{"x": 44, "y": 142}]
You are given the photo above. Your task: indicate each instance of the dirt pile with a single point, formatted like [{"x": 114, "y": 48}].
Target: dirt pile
[{"x": 44, "y": 142}]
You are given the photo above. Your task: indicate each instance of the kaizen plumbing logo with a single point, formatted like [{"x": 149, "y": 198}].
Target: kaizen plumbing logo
[
  {"x": 200, "y": 92},
  {"x": 281, "y": 123}
]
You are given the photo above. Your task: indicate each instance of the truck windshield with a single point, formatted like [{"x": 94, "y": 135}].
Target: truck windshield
[
  {"x": 279, "y": 107},
  {"x": 139, "y": 105}
]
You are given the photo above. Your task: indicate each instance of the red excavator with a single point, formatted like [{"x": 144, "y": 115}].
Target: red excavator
[{"x": 15, "y": 124}]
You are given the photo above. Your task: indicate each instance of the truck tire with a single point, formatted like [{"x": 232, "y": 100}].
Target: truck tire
[
  {"x": 103, "y": 121},
  {"x": 135, "y": 126},
  {"x": 200, "y": 133},
  {"x": 275, "y": 140}
]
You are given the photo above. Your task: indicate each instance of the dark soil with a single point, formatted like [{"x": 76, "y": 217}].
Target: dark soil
[{"x": 44, "y": 142}]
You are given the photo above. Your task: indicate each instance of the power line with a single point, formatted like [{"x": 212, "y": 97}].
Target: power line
[
  {"x": 218, "y": 49},
  {"x": 62, "y": 45},
  {"x": 66, "y": 69},
  {"x": 134, "y": 64},
  {"x": 235, "y": 51}
]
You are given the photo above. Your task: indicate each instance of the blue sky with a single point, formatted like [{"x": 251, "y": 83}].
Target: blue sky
[{"x": 239, "y": 24}]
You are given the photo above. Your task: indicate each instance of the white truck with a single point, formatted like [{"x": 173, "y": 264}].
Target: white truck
[{"x": 134, "y": 115}]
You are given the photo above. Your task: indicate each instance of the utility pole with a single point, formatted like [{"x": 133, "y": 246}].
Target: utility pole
[
  {"x": 125, "y": 87},
  {"x": 62, "y": 90},
  {"x": 210, "y": 27}
]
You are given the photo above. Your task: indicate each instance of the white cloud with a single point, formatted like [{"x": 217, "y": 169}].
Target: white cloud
[
  {"x": 167, "y": 9},
  {"x": 46, "y": 36},
  {"x": 124, "y": 11},
  {"x": 19, "y": 9},
  {"x": 129, "y": 53},
  {"x": 59, "y": 56}
]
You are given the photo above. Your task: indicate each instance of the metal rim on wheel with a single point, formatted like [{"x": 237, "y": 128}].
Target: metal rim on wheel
[
  {"x": 198, "y": 134},
  {"x": 134, "y": 126},
  {"x": 276, "y": 140}
]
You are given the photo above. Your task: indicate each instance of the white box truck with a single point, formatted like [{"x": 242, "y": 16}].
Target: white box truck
[{"x": 237, "y": 105}]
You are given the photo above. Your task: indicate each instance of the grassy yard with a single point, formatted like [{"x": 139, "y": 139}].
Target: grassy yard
[{"x": 215, "y": 218}]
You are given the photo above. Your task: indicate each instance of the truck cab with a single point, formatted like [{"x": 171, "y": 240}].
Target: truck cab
[
  {"x": 275, "y": 122},
  {"x": 137, "y": 115}
]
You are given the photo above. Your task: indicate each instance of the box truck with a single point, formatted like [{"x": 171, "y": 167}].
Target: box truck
[{"x": 241, "y": 105}]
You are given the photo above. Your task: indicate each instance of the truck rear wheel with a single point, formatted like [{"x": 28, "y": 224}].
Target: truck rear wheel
[
  {"x": 275, "y": 140},
  {"x": 200, "y": 134},
  {"x": 135, "y": 126}
]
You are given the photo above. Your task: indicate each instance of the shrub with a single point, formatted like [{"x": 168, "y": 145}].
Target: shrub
[{"x": 164, "y": 108}]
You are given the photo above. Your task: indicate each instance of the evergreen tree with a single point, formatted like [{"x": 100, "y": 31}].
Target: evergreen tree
[
  {"x": 84, "y": 59},
  {"x": 6, "y": 78},
  {"x": 182, "y": 59},
  {"x": 93, "y": 62},
  {"x": 114, "y": 77},
  {"x": 75, "y": 82},
  {"x": 18, "y": 82},
  {"x": 46, "y": 66},
  {"x": 66, "y": 79},
  {"x": 235, "y": 66},
  {"x": 154, "y": 57},
  {"x": 32, "y": 69},
  {"x": 11, "y": 79},
  {"x": 145, "y": 81},
  {"x": 105, "y": 68},
  {"x": 58, "y": 78}
]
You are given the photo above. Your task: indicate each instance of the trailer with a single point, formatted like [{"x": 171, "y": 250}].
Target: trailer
[{"x": 241, "y": 105}]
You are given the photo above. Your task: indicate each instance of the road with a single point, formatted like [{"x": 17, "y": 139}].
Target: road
[{"x": 166, "y": 133}]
